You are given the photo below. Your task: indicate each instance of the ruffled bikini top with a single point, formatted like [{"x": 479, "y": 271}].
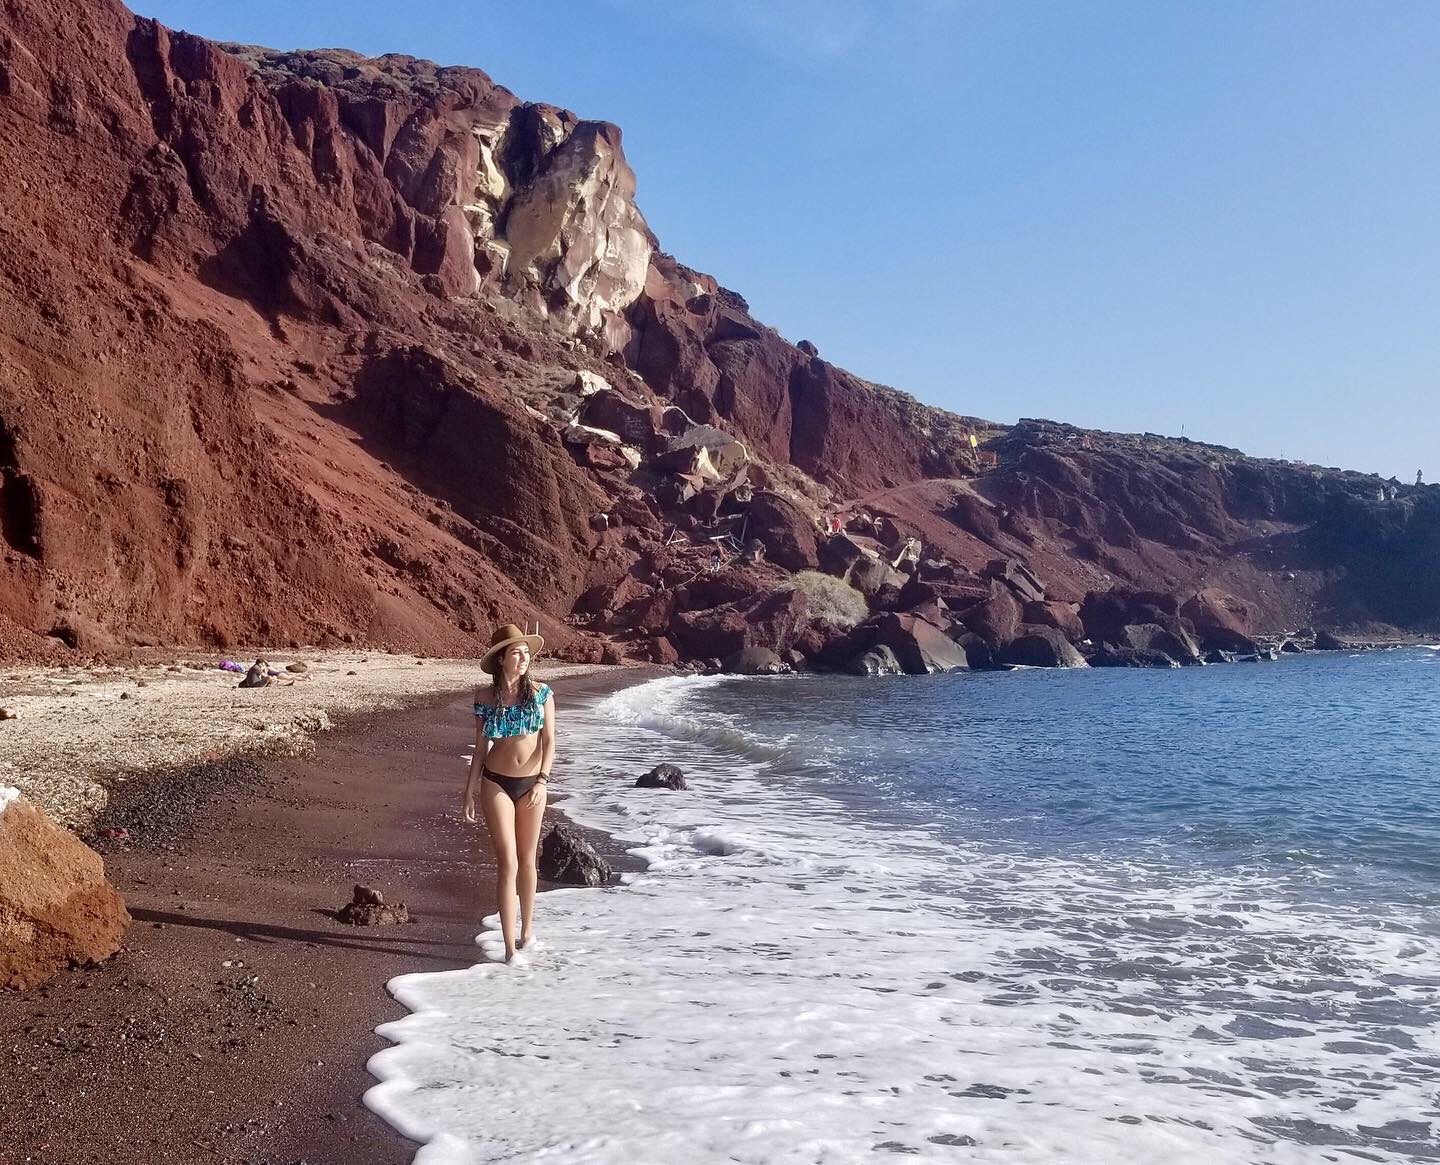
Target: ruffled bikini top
[{"x": 514, "y": 719}]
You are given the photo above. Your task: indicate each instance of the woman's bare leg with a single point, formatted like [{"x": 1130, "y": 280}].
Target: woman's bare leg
[
  {"x": 499, "y": 813},
  {"x": 528, "y": 820}
]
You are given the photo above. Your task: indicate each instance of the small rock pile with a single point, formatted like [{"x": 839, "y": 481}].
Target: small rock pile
[{"x": 368, "y": 907}]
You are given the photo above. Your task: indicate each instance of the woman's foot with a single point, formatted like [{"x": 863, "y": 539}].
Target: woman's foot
[{"x": 527, "y": 942}]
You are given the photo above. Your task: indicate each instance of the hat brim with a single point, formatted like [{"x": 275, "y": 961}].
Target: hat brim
[{"x": 534, "y": 642}]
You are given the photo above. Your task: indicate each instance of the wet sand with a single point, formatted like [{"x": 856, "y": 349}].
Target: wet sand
[{"x": 235, "y": 1024}]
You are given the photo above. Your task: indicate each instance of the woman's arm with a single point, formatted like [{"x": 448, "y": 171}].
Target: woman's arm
[
  {"x": 477, "y": 763},
  {"x": 547, "y": 753},
  {"x": 547, "y": 736}
]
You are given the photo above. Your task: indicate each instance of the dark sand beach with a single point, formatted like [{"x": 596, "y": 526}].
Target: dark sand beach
[{"x": 235, "y": 1023}]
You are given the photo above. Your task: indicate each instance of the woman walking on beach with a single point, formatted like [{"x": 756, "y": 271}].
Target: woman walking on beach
[{"x": 514, "y": 749}]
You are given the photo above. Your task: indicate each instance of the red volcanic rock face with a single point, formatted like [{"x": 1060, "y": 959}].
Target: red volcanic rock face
[
  {"x": 997, "y": 619},
  {"x": 201, "y": 327},
  {"x": 290, "y": 344},
  {"x": 1221, "y": 619},
  {"x": 504, "y": 470},
  {"x": 697, "y": 344},
  {"x": 1039, "y": 646}
]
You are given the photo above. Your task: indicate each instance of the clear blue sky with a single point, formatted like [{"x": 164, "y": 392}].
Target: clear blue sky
[{"x": 1147, "y": 215}]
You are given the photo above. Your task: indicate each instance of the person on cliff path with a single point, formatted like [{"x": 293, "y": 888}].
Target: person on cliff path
[{"x": 514, "y": 749}]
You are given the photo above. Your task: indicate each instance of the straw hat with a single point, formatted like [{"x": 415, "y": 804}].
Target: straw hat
[{"x": 508, "y": 634}]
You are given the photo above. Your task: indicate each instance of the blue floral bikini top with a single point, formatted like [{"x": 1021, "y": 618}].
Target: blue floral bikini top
[{"x": 514, "y": 719}]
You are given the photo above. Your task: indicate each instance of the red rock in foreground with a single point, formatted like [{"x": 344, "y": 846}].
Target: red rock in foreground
[{"x": 56, "y": 908}]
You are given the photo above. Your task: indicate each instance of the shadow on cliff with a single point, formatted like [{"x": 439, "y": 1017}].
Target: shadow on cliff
[
  {"x": 268, "y": 266},
  {"x": 1390, "y": 552},
  {"x": 504, "y": 483}
]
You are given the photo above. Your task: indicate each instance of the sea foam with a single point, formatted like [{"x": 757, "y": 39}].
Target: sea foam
[{"x": 790, "y": 982}]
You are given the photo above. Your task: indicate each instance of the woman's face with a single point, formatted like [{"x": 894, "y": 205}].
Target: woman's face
[{"x": 516, "y": 661}]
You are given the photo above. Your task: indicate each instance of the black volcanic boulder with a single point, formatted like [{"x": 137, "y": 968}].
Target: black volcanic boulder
[
  {"x": 878, "y": 661},
  {"x": 1105, "y": 614},
  {"x": 888, "y": 534},
  {"x": 715, "y": 588},
  {"x": 1041, "y": 647},
  {"x": 1231, "y": 641},
  {"x": 915, "y": 593},
  {"x": 871, "y": 577},
  {"x": 1017, "y": 576},
  {"x": 839, "y": 553},
  {"x": 1130, "y": 657},
  {"x": 981, "y": 656},
  {"x": 1326, "y": 640},
  {"x": 884, "y": 598},
  {"x": 566, "y": 857},
  {"x": 919, "y": 645},
  {"x": 962, "y": 594},
  {"x": 1173, "y": 640},
  {"x": 662, "y": 777},
  {"x": 755, "y": 661},
  {"x": 789, "y": 535}
]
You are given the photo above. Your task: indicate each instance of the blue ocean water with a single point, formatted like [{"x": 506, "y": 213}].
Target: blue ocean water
[
  {"x": 1324, "y": 760},
  {"x": 1088, "y": 916}
]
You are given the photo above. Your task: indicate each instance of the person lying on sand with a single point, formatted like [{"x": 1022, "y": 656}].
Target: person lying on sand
[
  {"x": 261, "y": 675},
  {"x": 514, "y": 749}
]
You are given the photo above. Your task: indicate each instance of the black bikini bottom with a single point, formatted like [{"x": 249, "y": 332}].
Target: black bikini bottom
[{"x": 516, "y": 787}]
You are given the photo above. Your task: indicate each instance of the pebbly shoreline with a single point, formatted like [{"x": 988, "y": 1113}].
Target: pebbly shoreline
[{"x": 80, "y": 734}]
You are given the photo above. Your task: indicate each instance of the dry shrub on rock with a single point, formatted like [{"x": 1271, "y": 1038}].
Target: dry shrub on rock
[{"x": 831, "y": 600}]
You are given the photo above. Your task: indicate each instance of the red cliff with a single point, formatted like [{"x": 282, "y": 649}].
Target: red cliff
[{"x": 310, "y": 347}]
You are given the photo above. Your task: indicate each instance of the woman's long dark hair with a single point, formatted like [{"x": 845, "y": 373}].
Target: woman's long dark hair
[{"x": 524, "y": 687}]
